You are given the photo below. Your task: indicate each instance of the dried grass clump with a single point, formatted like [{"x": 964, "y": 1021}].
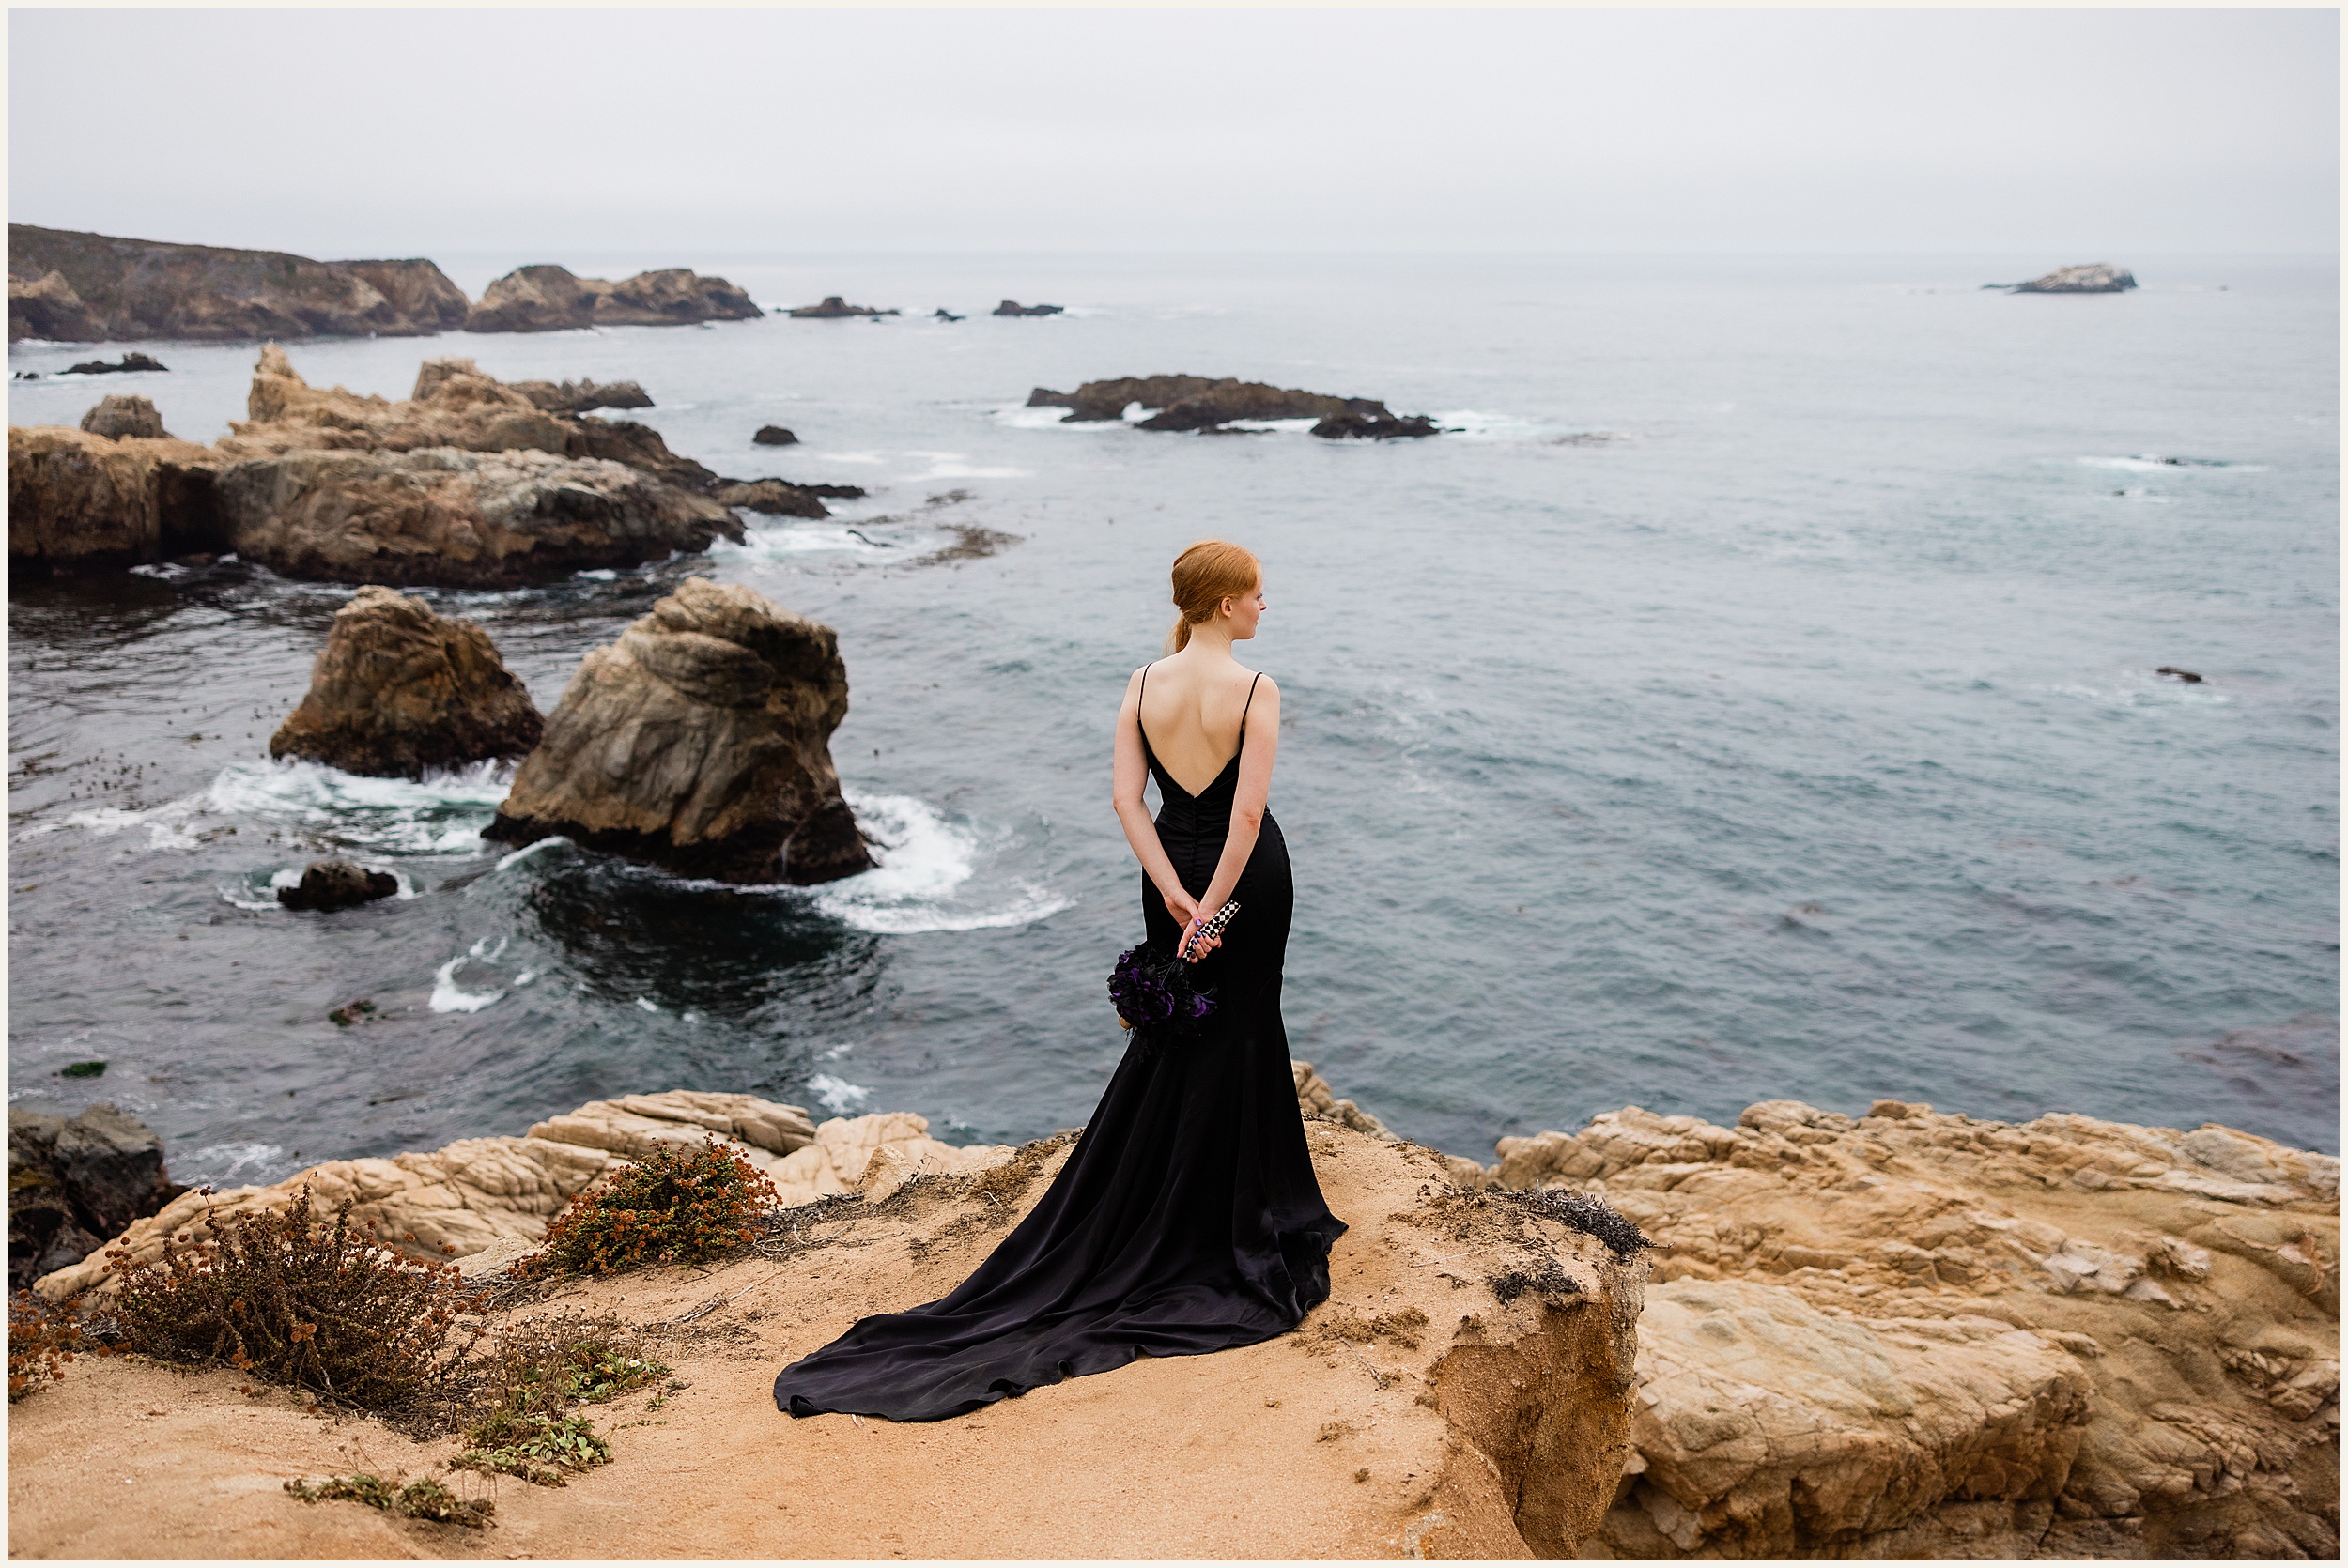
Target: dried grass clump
[
  {"x": 41, "y": 1339},
  {"x": 678, "y": 1203},
  {"x": 1580, "y": 1211},
  {"x": 419, "y": 1499},
  {"x": 294, "y": 1298},
  {"x": 548, "y": 1364}
]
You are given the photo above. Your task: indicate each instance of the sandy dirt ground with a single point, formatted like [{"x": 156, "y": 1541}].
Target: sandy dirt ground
[{"x": 1328, "y": 1442}]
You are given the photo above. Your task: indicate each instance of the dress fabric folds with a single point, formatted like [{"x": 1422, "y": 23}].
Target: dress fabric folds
[{"x": 1186, "y": 1220}]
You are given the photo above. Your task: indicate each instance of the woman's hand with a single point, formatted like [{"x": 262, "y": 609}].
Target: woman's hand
[
  {"x": 1182, "y": 907},
  {"x": 1195, "y": 946}
]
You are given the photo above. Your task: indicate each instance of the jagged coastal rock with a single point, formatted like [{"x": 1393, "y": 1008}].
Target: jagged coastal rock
[
  {"x": 700, "y": 741},
  {"x": 75, "y": 1183},
  {"x": 331, "y": 885},
  {"x": 1210, "y": 403},
  {"x": 116, "y": 416},
  {"x": 833, "y": 309},
  {"x": 126, "y": 365},
  {"x": 1012, "y": 307},
  {"x": 547, "y": 298},
  {"x": 454, "y": 404},
  {"x": 1916, "y": 1334},
  {"x": 400, "y": 691},
  {"x": 79, "y": 502},
  {"x": 1465, "y": 1391},
  {"x": 2095, "y": 278},
  {"x": 418, "y": 289},
  {"x": 458, "y": 519},
  {"x": 1375, "y": 427},
  {"x": 579, "y": 397},
  {"x": 86, "y": 287}
]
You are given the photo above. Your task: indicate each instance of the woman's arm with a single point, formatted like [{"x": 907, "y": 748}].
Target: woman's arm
[
  {"x": 1257, "y": 745},
  {"x": 1130, "y": 775}
]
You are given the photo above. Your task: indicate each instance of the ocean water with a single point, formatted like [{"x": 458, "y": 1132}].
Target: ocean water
[{"x": 1754, "y": 696}]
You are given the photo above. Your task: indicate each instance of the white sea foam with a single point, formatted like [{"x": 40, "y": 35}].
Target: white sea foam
[
  {"x": 2154, "y": 463},
  {"x": 222, "y": 1163},
  {"x": 526, "y": 851},
  {"x": 447, "y": 998},
  {"x": 923, "y": 881},
  {"x": 442, "y": 814},
  {"x": 838, "y": 1095},
  {"x": 809, "y": 538},
  {"x": 1475, "y": 424}
]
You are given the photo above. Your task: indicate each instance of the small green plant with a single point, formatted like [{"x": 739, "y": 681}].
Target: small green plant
[
  {"x": 676, "y": 1203},
  {"x": 419, "y": 1499},
  {"x": 42, "y": 1339},
  {"x": 535, "y": 1446},
  {"x": 82, "y": 1069},
  {"x": 293, "y": 1298}
]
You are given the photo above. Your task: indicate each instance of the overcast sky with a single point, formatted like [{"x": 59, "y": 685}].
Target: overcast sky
[{"x": 2074, "y": 135}]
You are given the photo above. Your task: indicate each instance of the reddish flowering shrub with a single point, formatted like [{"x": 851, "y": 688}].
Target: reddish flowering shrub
[
  {"x": 41, "y": 1339},
  {"x": 293, "y": 1298},
  {"x": 678, "y": 1203}
]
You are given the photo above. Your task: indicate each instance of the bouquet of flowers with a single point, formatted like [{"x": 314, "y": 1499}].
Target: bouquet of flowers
[{"x": 1155, "y": 999}]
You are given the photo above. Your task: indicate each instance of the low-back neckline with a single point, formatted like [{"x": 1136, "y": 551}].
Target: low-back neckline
[{"x": 1150, "y": 752}]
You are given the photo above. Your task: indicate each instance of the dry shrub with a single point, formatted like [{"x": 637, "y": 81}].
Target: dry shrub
[
  {"x": 548, "y": 1364},
  {"x": 1580, "y": 1211},
  {"x": 535, "y": 1446},
  {"x": 41, "y": 1339},
  {"x": 678, "y": 1203},
  {"x": 419, "y": 1499},
  {"x": 294, "y": 1298}
]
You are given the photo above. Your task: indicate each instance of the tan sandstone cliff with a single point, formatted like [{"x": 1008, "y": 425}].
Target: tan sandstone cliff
[{"x": 1417, "y": 1413}]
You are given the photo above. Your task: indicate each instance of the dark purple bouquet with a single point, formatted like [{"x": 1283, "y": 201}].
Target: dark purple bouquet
[{"x": 1151, "y": 986}]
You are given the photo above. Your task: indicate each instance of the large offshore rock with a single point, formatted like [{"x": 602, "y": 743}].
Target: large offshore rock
[
  {"x": 398, "y": 691},
  {"x": 546, "y": 299},
  {"x": 579, "y": 397},
  {"x": 79, "y": 502},
  {"x": 86, "y": 287},
  {"x": 700, "y": 741},
  {"x": 2099, "y": 277},
  {"x": 451, "y": 518},
  {"x": 116, "y": 416},
  {"x": 1205, "y": 403},
  {"x": 1916, "y": 1334},
  {"x": 75, "y": 1183},
  {"x": 454, "y": 405},
  {"x": 331, "y": 885},
  {"x": 418, "y": 289}
]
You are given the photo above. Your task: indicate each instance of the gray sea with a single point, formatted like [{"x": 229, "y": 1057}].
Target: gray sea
[{"x": 1752, "y": 696}]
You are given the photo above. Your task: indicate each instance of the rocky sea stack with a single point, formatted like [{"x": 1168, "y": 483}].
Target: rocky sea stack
[
  {"x": 116, "y": 416},
  {"x": 1211, "y": 403},
  {"x": 700, "y": 741},
  {"x": 2099, "y": 277},
  {"x": 398, "y": 692},
  {"x": 547, "y": 298}
]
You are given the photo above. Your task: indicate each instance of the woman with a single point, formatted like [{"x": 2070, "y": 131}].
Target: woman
[{"x": 1187, "y": 1218}]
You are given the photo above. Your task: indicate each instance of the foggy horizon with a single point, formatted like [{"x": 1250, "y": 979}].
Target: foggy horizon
[{"x": 2053, "y": 137}]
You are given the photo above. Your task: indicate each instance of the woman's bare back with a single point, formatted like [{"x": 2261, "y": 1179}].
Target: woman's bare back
[{"x": 1191, "y": 712}]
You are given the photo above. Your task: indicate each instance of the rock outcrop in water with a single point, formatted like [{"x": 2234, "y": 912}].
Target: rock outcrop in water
[
  {"x": 700, "y": 741},
  {"x": 833, "y": 309},
  {"x": 1914, "y": 1334},
  {"x": 546, "y": 299},
  {"x": 331, "y": 885},
  {"x": 1210, "y": 403},
  {"x": 1464, "y": 1391},
  {"x": 2095, "y": 278},
  {"x": 398, "y": 692},
  {"x": 774, "y": 435},
  {"x": 75, "y": 1183},
  {"x": 1375, "y": 427},
  {"x": 579, "y": 397},
  {"x": 1012, "y": 307},
  {"x": 86, "y": 287},
  {"x": 126, "y": 365},
  {"x": 79, "y": 502},
  {"x": 116, "y": 417}
]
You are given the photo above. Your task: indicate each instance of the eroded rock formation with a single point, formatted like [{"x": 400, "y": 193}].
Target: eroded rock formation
[
  {"x": 1915, "y": 1334},
  {"x": 1375, "y": 427},
  {"x": 579, "y": 397},
  {"x": 115, "y": 417},
  {"x": 546, "y": 299},
  {"x": 126, "y": 365},
  {"x": 418, "y": 289},
  {"x": 832, "y": 309},
  {"x": 398, "y": 692},
  {"x": 2095, "y": 278},
  {"x": 84, "y": 288},
  {"x": 79, "y": 502},
  {"x": 1012, "y": 307},
  {"x": 74, "y": 1183},
  {"x": 437, "y": 515},
  {"x": 700, "y": 741},
  {"x": 1209, "y": 403},
  {"x": 331, "y": 885}
]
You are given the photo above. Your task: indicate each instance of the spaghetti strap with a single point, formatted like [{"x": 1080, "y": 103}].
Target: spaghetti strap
[{"x": 1243, "y": 713}]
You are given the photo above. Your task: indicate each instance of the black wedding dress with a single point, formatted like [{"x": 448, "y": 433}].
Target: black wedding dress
[{"x": 1187, "y": 1218}]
